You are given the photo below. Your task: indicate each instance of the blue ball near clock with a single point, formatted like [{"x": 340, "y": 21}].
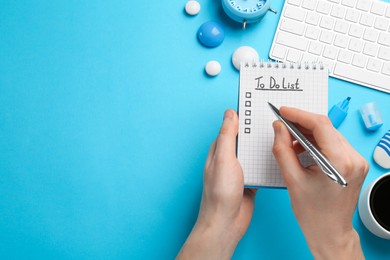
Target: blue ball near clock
[
  {"x": 246, "y": 11},
  {"x": 211, "y": 34}
]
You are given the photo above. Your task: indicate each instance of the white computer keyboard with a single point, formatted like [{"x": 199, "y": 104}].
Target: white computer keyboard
[{"x": 350, "y": 37}]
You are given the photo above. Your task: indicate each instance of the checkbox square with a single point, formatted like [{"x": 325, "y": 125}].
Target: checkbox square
[
  {"x": 248, "y": 94},
  {"x": 247, "y": 121},
  {"x": 247, "y": 130},
  {"x": 248, "y": 104},
  {"x": 248, "y": 112}
]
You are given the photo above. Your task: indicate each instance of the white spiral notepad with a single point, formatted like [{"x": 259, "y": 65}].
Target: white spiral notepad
[{"x": 302, "y": 86}]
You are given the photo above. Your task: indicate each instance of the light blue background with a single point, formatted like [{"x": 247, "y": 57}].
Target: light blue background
[{"x": 105, "y": 121}]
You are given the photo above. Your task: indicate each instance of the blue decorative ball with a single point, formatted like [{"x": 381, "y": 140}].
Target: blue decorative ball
[{"x": 211, "y": 34}]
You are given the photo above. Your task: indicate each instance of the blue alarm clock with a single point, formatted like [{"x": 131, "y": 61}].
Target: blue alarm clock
[{"x": 246, "y": 11}]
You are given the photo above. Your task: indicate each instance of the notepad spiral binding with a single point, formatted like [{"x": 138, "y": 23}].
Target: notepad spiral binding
[{"x": 270, "y": 64}]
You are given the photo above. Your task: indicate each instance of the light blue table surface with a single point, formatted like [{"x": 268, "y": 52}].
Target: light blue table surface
[{"x": 106, "y": 117}]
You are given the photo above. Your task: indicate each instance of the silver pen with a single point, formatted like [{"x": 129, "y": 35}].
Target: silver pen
[{"x": 318, "y": 157}]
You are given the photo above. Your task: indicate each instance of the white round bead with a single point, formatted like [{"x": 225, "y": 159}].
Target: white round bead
[
  {"x": 192, "y": 7},
  {"x": 213, "y": 68},
  {"x": 244, "y": 54}
]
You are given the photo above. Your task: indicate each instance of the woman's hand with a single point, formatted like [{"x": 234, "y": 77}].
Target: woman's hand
[
  {"x": 226, "y": 208},
  {"x": 323, "y": 208}
]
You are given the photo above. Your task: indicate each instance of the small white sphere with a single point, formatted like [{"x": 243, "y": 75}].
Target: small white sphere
[
  {"x": 213, "y": 68},
  {"x": 244, "y": 54},
  {"x": 192, "y": 7}
]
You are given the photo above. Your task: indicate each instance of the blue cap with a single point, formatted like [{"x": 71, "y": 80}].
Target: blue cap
[
  {"x": 338, "y": 112},
  {"x": 371, "y": 116}
]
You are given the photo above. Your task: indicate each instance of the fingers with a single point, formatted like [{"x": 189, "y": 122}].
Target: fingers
[
  {"x": 226, "y": 140},
  {"x": 319, "y": 125},
  {"x": 308, "y": 120},
  {"x": 284, "y": 152}
]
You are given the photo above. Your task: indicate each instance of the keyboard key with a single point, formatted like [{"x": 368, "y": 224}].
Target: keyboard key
[
  {"x": 316, "y": 48},
  {"x": 295, "y": 2},
  {"x": 312, "y": 18},
  {"x": 345, "y": 56},
  {"x": 293, "y": 41},
  {"x": 355, "y": 45},
  {"x": 384, "y": 53},
  {"x": 363, "y": 5},
  {"x": 367, "y": 19},
  {"x": 370, "y": 49},
  {"x": 292, "y": 26},
  {"x": 279, "y": 52},
  {"x": 374, "y": 65},
  {"x": 323, "y": 7},
  {"x": 294, "y": 13},
  {"x": 378, "y": 8},
  {"x": 309, "y": 4},
  {"x": 338, "y": 11},
  {"x": 386, "y": 69},
  {"x": 370, "y": 35},
  {"x": 350, "y": 3},
  {"x": 381, "y": 23},
  {"x": 352, "y": 15},
  {"x": 327, "y": 37},
  {"x": 384, "y": 39},
  {"x": 359, "y": 60},
  {"x": 327, "y": 22},
  {"x": 312, "y": 32},
  {"x": 329, "y": 64},
  {"x": 387, "y": 14},
  {"x": 355, "y": 31},
  {"x": 330, "y": 52},
  {"x": 341, "y": 27},
  {"x": 293, "y": 56},
  {"x": 364, "y": 77},
  {"x": 308, "y": 58},
  {"x": 341, "y": 41}
]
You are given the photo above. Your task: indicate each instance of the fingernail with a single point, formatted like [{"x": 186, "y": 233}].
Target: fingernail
[
  {"x": 228, "y": 114},
  {"x": 276, "y": 125}
]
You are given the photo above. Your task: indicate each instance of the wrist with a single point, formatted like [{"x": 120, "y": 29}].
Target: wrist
[
  {"x": 209, "y": 241},
  {"x": 346, "y": 246}
]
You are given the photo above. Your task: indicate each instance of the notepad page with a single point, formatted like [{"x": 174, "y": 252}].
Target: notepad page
[{"x": 291, "y": 85}]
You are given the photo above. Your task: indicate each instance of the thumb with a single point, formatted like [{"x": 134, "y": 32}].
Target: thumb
[{"x": 226, "y": 140}]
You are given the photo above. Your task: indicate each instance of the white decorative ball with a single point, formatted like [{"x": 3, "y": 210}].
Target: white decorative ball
[
  {"x": 192, "y": 7},
  {"x": 213, "y": 68},
  {"x": 244, "y": 54}
]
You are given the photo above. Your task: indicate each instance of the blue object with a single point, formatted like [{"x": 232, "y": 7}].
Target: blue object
[
  {"x": 211, "y": 34},
  {"x": 371, "y": 116},
  {"x": 244, "y": 11},
  {"x": 338, "y": 112}
]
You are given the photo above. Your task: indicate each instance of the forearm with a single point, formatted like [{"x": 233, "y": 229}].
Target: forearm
[
  {"x": 347, "y": 247},
  {"x": 208, "y": 242}
]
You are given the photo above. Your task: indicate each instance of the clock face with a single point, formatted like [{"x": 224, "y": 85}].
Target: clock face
[
  {"x": 246, "y": 10},
  {"x": 249, "y": 6}
]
